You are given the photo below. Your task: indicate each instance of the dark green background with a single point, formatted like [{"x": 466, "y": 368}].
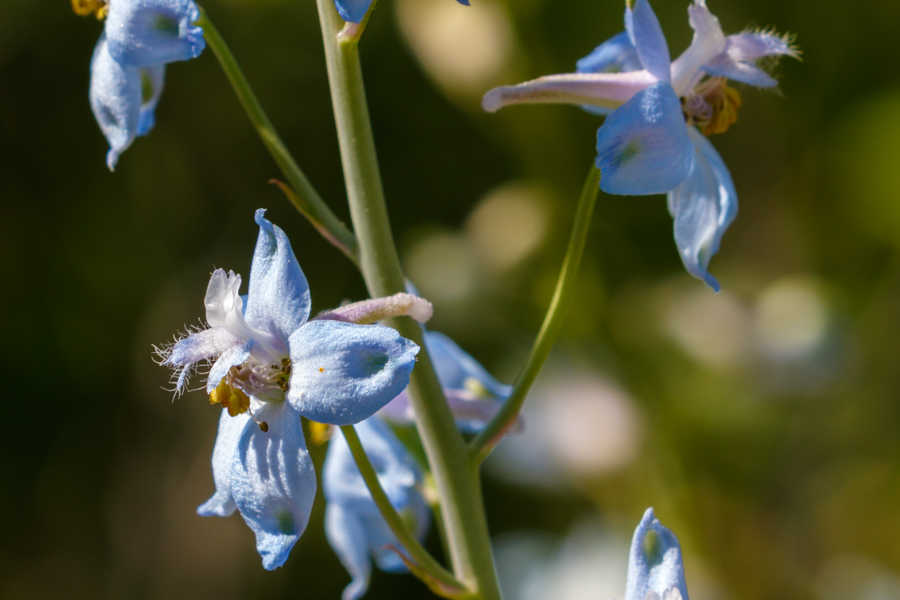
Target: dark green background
[{"x": 768, "y": 468}]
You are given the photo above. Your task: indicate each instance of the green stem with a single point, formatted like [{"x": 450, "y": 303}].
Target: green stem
[
  {"x": 455, "y": 475},
  {"x": 491, "y": 435},
  {"x": 305, "y": 199},
  {"x": 406, "y": 538}
]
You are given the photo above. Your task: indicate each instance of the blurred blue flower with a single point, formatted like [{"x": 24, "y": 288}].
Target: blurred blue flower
[
  {"x": 270, "y": 366},
  {"x": 473, "y": 394},
  {"x": 655, "y": 569},
  {"x": 650, "y": 142},
  {"x": 128, "y": 66},
  {"x": 353, "y": 524}
]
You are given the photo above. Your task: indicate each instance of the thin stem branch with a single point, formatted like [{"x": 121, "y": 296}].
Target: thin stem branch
[
  {"x": 456, "y": 477},
  {"x": 305, "y": 198},
  {"x": 490, "y": 436},
  {"x": 398, "y": 527}
]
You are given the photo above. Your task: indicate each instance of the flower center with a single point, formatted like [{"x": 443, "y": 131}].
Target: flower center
[
  {"x": 236, "y": 401},
  {"x": 712, "y": 106},
  {"x": 264, "y": 382}
]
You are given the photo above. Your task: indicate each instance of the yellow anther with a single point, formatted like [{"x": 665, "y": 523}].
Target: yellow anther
[
  {"x": 84, "y": 8},
  {"x": 236, "y": 401},
  {"x": 725, "y": 108},
  {"x": 319, "y": 433},
  {"x": 713, "y": 107},
  {"x": 477, "y": 388}
]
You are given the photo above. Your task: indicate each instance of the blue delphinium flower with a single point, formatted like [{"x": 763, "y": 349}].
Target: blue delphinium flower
[
  {"x": 651, "y": 141},
  {"x": 655, "y": 570},
  {"x": 473, "y": 394},
  {"x": 128, "y": 66},
  {"x": 353, "y": 524},
  {"x": 270, "y": 365}
]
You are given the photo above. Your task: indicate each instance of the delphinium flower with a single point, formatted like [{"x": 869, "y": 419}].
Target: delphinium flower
[
  {"x": 658, "y": 114},
  {"x": 353, "y": 524},
  {"x": 270, "y": 365},
  {"x": 655, "y": 569},
  {"x": 128, "y": 66},
  {"x": 473, "y": 394}
]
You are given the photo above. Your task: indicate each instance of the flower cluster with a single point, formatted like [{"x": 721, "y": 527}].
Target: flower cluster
[
  {"x": 270, "y": 366},
  {"x": 128, "y": 66},
  {"x": 657, "y": 114}
]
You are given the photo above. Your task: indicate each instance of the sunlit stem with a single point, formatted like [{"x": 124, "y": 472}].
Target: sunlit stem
[
  {"x": 455, "y": 476},
  {"x": 491, "y": 435},
  {"x": 395, "y": 521},
  {"x": 305, "y": 198}
]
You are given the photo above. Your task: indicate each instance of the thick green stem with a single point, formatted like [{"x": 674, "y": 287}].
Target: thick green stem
[
  {"x": 411, "y": 545},
  {"x": 305, "y": 198},
  {"x": 455, "y": 475},
  {"x": 491, "y": 435}
]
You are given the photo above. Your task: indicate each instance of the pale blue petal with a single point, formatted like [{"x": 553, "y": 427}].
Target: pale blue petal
[
  {"x": 273, "y": 482},
  {"x": 704, "y": 205},
  {"x": 231, "y": 357},
  {"x": 643, "y": 147},
  {"x": 115, "y": 96},
  {"x": 396, "y": 469},
  {"x": 739, "y": 59},
  {"x": 153, "y": 32},
  {"x": 654, "y": 563},
  {"x": 202, "y": 345},
  {"x": 342, "y": 373},
  {"x": 647, "y": 37},
  {"x": 615, "y": 55},
  {"x": 278, "y": 300},
  {"x": 455, "y": 367},
  {"x": 152, "y": 83},
  {"x": 221, "y": 504},
  {"x": 347, "y": 537},
  {"x": 352, "y": 10}
]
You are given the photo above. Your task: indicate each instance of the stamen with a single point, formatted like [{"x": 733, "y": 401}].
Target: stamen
[
  {"x": 319, "y": 433},
  {"x": 712, "y": 106},
  {"x": 236, "y": 401},
  {"x": 263, "y": 426},
  {"x": 83, "y": 8}
]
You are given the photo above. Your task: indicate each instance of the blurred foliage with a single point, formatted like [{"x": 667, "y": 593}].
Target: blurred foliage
[{"x": 767, "y": 415}]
